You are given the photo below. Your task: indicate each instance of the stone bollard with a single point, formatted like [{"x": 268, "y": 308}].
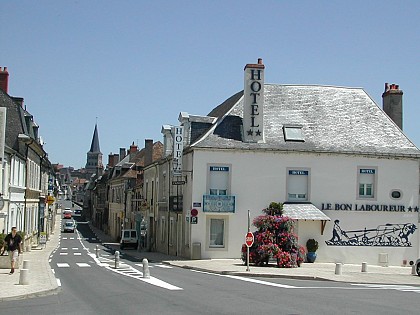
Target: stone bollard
[
  {"x": 117, "y": 259},
  {"x": 364, "y": 267},
  {"x": 24, "y": 276},
  {"x": 413, "y": 270},
  {"x": 338, "y": 267},
  {"x": 97, "y": 251},
  {"x": 25, "y": 264},
  {"x": 146, "y": 271}
]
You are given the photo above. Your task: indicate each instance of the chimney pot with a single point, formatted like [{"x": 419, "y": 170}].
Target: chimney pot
[
  {"x": 260, "y": 62},
  {"x": 4, "y": 80}
]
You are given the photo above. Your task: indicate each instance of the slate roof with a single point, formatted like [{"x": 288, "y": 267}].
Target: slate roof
[
  {"x": 94, "y": 146},
  {"x": 333, "y": 119},
  {"x": 303, "y": 211},
  {"x": 14, "y": 120}
]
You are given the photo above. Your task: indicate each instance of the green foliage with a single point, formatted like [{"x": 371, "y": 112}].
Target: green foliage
[
  {"x": 275, "y": 208},
  {"x": 311, "y": 245}
]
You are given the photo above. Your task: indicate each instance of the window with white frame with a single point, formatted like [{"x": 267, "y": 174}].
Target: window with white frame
[
  {"x": 218, "y": 180},
  {"x": 293, "y": 133},
  {"x": 297, "y": 185},
  {"x": 366, "y": 182},
  {"x": 217, "y": 233}
]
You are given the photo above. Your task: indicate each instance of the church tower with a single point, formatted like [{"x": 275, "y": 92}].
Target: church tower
[{"x": 94, "y": 156}]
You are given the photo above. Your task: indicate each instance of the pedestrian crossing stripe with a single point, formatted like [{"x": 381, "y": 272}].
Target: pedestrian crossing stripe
[
  {"x": 74, "y": 248},
  {"x": 63, "y": 254},
  {"x": 77, "y": 254},
  {"x": 83, "y": 264},
  {"x": 157, "y": 265},
  {"x": 63, "y": 265}
]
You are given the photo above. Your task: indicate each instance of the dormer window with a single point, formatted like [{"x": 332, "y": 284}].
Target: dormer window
[{"x": 293, "y": 133}]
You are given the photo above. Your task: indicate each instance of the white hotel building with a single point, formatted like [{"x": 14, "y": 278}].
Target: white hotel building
[{"x": 342, "y": 167}]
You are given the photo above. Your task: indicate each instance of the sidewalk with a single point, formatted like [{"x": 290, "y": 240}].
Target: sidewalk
[
  {"x": 40, "y": 276},
  {"x": 42, "y": 280},
  {"x": 313, "y": 271}
]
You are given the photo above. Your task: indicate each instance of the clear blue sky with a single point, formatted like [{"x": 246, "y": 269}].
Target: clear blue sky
[{"x": 137, "y": 64}]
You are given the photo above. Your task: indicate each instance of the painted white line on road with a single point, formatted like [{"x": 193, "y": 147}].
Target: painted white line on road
[
  {"x": 72, "y": 238},
  {"x": 64, "y": 238},
  {"x": 160, "y": 283},
  {"x": 249, "y": 280},
  {"x": 77, "y": 254},
  {"x": 64, "y": 248},
  {"x": 83, "y": 264},
  {"x": 53, "y": 271},
  {"x": 58, "y": 282},
  {"x": 75, "y": 248},
  {"x": 63, "y": 254},
  {"x": 63, "y": 265}
]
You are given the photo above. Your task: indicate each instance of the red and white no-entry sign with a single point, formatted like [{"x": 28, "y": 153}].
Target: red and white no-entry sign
[{"x": 249, "y": 239}]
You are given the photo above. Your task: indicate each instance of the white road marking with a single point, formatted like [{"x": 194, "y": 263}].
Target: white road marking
[
  {"x": 64, "y": 238},
  {"x": 58, "y": 282},
  {"x": 75, "y": 248},
  {"x": 77, "y": 254},
  {"x": 63, "y": 254},
  {"x": 72, "y": 238},
  {"x": 63, "y": 265},
  {"x": 53, "y": 271},
  {"x": 83, "y": 264},
  {"x": 64, "y": 248}
]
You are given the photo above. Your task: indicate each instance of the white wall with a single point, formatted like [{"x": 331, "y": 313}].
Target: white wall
[{"x": 259, "y": 178}]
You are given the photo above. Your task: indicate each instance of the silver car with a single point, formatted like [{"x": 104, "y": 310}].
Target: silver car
[{"x": 69, "y": 226}]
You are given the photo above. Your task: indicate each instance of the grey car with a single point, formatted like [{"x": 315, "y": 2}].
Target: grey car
[{"x": 69, "y": 226}]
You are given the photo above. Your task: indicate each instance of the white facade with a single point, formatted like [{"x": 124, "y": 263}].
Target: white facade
[{"x": 255, "y": 187}]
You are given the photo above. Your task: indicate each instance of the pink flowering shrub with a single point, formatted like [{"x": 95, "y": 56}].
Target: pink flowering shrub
[{"x": 275, "y": 239}]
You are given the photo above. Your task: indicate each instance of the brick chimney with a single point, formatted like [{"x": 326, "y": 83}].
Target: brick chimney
[
  {"x": 148, "y": 155},
  {"x": 392, "y": 103},
  {"x": 4, "y": 80},
  {"x": 253, "y": 122},
  {"x": 133, "y": 148}
]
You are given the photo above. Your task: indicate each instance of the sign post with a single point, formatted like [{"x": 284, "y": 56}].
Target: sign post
[{"x": 249, "y": 241}]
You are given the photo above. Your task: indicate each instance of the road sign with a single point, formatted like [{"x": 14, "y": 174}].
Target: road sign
[
  {"x": 194, "y": 220},
  {"x": 50, "y": 200},
  {"x": 249, "y": 239},
  {"x": 178, "y": 182},
  {"x": 194, "y": 212}
]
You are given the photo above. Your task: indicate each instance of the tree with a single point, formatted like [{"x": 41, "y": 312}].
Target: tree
[{"x": 275, "y": 239}]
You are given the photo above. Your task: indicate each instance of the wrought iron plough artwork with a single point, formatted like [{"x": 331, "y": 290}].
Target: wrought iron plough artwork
[{"x": 396, "y": 235}]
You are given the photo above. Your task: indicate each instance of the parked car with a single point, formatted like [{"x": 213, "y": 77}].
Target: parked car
[
  {"x": 418, "y": 267},
  {"x": 77, "y": 213},
  {"x": 129, "y": 238},
  {"x": 69, "y": 226},
  {"x": 67, "y": 213}
]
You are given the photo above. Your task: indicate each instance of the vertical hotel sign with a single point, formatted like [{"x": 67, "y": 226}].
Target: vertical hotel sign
[
  {"x": 178, "y": 133},
  {"x": 253, "y": 102}
]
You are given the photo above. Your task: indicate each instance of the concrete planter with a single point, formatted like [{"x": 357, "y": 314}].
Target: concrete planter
[{"x": 5, "y": 262}]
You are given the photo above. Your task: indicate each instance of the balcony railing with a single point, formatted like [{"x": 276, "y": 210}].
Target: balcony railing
[{"x": 219, "y": 203}]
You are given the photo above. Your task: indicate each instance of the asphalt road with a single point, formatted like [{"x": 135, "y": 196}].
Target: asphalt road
[{"x": 92, "y": 286}]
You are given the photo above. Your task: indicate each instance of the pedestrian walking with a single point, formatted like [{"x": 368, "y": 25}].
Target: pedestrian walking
[{"x": 14, "y": 247}]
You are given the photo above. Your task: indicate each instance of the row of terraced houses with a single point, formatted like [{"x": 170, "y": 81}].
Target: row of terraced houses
[{"x": 27, "y": 185}]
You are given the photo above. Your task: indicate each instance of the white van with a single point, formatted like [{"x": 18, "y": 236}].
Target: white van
[{"x": 129, "y": 238}]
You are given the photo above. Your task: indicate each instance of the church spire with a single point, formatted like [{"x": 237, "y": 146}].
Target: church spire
[
  {"x": 94, "y": 147},
  {"x": 94, "y": 156}
]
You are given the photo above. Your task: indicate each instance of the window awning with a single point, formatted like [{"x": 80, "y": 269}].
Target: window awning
[{"x": 305, "y": 211}]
